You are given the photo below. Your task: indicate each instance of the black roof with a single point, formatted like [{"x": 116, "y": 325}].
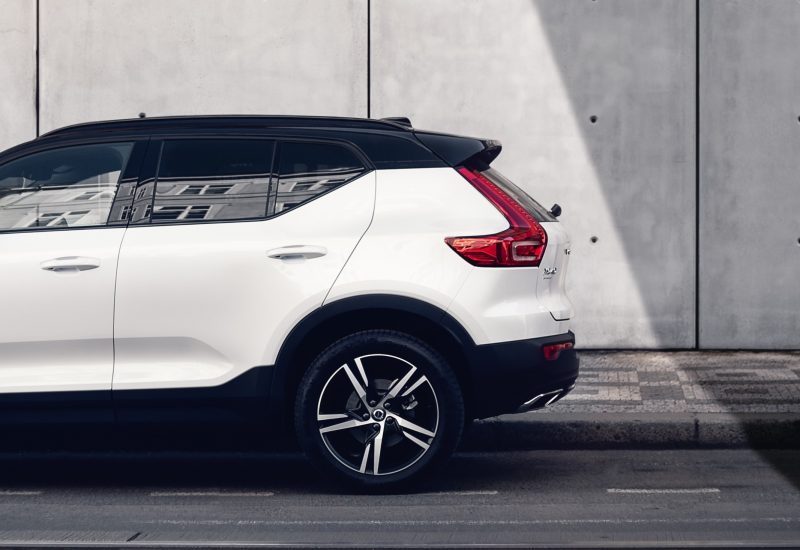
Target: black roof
[
  {"x": 389, "y": 143},
  {"x": 231, "y": 121}
]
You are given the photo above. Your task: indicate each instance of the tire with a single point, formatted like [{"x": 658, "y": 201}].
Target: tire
[{"x": 406, "y": 420}]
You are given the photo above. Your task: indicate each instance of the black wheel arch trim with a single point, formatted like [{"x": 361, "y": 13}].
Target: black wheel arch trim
[{"x": 377, "y": 303}]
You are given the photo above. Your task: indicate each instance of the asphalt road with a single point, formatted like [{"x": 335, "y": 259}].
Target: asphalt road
[{"x": 611, "y": 498}]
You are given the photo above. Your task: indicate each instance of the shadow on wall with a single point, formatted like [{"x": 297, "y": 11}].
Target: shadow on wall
[{"x": 629, "y": 71}]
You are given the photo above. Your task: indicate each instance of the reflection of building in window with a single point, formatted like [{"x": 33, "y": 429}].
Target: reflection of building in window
[
  {"x": 215, "y": 197},
  {"x": 222, "y": 179},
  {"x": 51, "y": 188},
  {"x": 194, "y": 212},
  {"x": 94, "y": 195},
  {"x": 205, "y": 189},
  {"x": 56, "y": 219},
  {"x": 297, "y": 188},
  {"x": 29, "y": 207}
]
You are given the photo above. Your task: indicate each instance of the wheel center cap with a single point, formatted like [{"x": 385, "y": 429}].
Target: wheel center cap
[{"x": 378, "y": 414}]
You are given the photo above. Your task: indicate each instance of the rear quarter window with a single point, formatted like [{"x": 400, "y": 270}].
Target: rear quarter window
[{"x": 309, "y": 169}]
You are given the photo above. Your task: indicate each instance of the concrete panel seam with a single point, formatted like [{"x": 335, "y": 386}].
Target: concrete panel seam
[
  {"x": 369, "y": 58},
  {"x": 697, "y": 176},
  {"x": 36, "y": 96}
]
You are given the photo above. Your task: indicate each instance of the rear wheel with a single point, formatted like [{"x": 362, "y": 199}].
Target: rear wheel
[{"x": 379, "y": 407}]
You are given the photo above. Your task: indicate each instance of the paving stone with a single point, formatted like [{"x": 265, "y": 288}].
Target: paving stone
[{"x": 685, "y": 382}]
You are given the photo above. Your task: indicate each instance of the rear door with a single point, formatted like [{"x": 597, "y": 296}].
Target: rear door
[
  {"x": 62, "y": 221},
  {"x": 232, "y": 241}
]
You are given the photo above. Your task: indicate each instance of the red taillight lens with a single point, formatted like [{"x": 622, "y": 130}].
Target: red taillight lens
[
  {"x": 552, "y": 351},
  {"x": 522, "y": 244}
]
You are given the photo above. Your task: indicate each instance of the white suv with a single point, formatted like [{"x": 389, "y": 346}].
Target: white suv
[{"x": 376, "y": 285}]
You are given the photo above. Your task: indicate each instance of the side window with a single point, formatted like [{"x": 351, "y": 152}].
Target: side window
[
  {"x": 66, "y": 187},
  {"x": 310, "y": 169},
  {"x": 212, "y": 179}
]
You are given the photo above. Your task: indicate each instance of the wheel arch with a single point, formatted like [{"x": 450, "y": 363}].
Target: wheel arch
[{"x": 332, "y": 321}]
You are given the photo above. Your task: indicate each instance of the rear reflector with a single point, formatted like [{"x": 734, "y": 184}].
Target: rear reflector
[
  {"x": 521, "y": 245},
  {"x": 552, "y": 351}
]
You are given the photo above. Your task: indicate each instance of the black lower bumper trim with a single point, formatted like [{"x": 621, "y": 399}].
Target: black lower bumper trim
[{"x": 508, "y": 375}]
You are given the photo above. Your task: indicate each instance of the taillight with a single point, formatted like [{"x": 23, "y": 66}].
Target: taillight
[
  {"x": 552, "y": 351},
  {"x": 522, "y": 244}
]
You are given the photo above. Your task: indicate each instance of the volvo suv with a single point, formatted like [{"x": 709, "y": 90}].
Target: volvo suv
[{"x": 371, "y": 286}]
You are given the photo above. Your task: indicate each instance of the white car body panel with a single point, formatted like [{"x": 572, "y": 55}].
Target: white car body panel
[
  {"x": 551, "y": 284},
  {"x": 56, "y": 325},
  {"x": 516, "y": 303},
  {"x": 404, "y": 253},
  {"x": 199, "y": 304}
]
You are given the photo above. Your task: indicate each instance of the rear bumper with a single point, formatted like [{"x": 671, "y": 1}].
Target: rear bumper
[{"x": 515, "y": 377}]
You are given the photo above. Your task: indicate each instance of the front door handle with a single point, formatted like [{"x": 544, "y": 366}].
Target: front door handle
[
  {"x": 70, "y": 264},
  {"x": 298, "y": 251}
]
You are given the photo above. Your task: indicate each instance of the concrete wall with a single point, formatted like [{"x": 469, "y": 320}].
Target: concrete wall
[
  {"x": 531, "y": 73},
  {"x": 17, "y": 72},
  {"x": 105, "y": 59},
  {"x": 750, "y": 174}
]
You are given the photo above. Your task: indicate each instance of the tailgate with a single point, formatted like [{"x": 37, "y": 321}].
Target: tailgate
[{"x": 550, "y": 287}]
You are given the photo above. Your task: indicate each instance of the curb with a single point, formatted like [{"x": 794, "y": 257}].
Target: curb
[{"x": 634, "y": 431}]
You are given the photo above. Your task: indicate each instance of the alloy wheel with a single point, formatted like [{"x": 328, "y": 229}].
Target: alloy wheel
[{"x": 378, "y": 414}]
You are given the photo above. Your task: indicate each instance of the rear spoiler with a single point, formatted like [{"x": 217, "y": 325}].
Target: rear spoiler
[{"x": 460, "y": 150}]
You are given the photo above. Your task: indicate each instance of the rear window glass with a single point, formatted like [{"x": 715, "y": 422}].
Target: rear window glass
[
  {"x": 307, "y": 170},
  {"x": 212, "y": 179},
  {"x": 539, "y": 212}
]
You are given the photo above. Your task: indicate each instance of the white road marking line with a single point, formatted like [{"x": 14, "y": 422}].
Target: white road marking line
[
  {"x": 467, "y": 523},
  {"x": 20, "y": 493},
  {"x": 211, "y": 494},
  {"x": 458, "y": 493},
  {"x": 706, "y": 490}
]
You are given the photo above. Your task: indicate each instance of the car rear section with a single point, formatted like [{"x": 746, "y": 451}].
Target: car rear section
[
  {"x": 524, "y": 358},
  {"x": 466, "y": 239}
]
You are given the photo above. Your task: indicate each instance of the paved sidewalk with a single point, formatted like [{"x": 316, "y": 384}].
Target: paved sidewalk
[
  {"x": 663, "y": 399},
  {"x": 678, "y": 382}
]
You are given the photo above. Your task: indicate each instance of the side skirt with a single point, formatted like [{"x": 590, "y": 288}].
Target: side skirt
[{"x": 241, "y": 400}]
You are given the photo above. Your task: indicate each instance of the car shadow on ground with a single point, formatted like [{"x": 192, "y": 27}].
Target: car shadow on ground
[{"x": 219, "y": 459}]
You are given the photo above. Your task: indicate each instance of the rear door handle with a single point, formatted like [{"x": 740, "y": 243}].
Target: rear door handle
[
  {"x": 70, "y": 264},
  {"x": 298, "y": 251}
]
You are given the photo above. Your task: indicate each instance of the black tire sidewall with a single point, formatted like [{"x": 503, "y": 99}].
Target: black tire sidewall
[{"x": 421, "y": 355}]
